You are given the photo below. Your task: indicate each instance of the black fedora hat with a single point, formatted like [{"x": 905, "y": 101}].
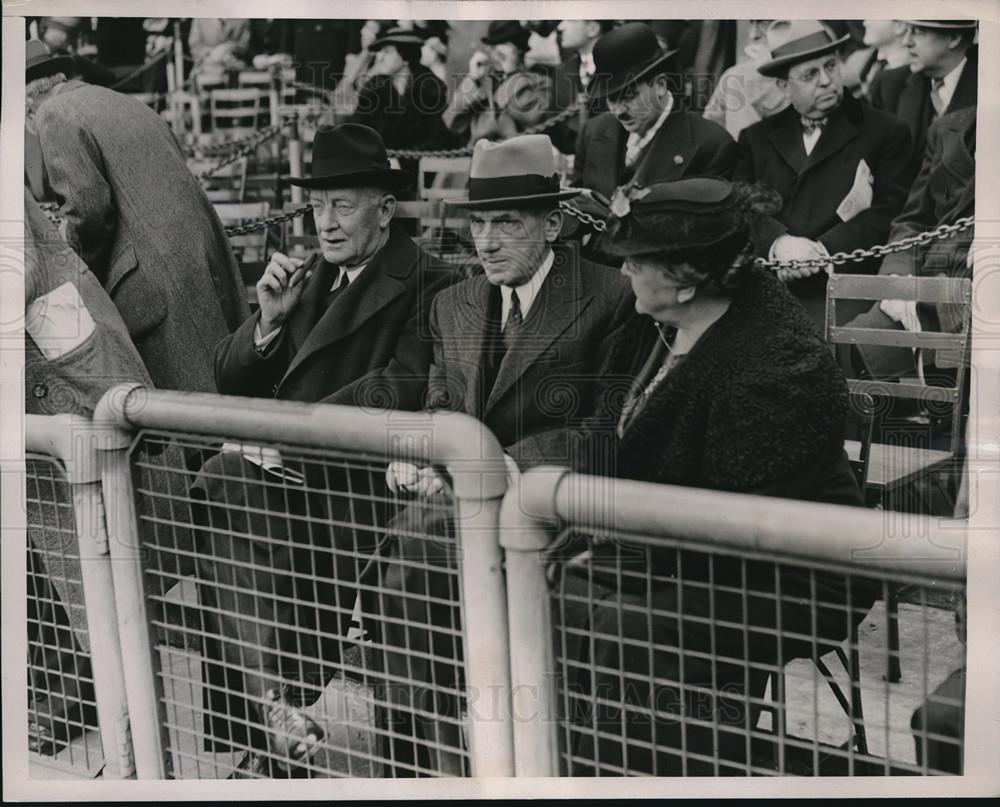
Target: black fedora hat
[
  {"x": 350, "y": 155},
  {"x": 39, "y": 62},
  {"x": 396, "y": 36},
  {"x": 623, "y": 56},
  {"x": 506, "y": 31}
]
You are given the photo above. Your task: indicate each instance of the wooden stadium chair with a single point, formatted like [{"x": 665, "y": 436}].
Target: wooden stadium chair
[
  {"x": 890, "y": 466},
  {"x": 225, "y": 185},
  {"x": 442, "y": 177},
  {"x": 296, "y": 245},
  {"x": 236, "y": 113},
  {"x": 256, "y": 79}
]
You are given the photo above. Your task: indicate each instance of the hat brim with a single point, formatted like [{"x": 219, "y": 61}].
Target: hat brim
[
  {"x": 944, "y": 25},
  {"x": 635, "y": 246},
  {"x": 597, "y": 91},
  {"x": 391, "y": 178},
  {"x": 776, "y": 67},
  {"x": 514, "y": 38},
  {"x": 531, "y": 200},
  {"x": 396, "y": 39},
  {"x": 49, "y": 67}
]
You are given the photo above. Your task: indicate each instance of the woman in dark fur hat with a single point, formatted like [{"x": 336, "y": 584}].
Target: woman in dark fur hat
[{"x": 734, "y": 390}]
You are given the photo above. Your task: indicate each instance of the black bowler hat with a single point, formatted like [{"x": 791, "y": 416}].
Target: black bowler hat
[
  {"x": 506, "y": 31},
  {"x": 623, "y": 56},
  {"x": 39, "y": 61},
  {"x": 351, "y": 156},
  {"x": 396, "y": 36},
  {"x": 944, "y": 25}
]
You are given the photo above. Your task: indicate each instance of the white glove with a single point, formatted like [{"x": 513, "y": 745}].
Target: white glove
[{"x": 406, "y": 477}]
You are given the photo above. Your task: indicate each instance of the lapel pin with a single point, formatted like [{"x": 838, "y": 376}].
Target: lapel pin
[{"x": 678, "y": 159}]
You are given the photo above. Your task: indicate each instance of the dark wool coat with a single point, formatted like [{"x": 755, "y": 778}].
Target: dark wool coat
[
  {"x": 907, "y": 95},
  {"x": 374, "y": 337},
  {"x": 566, "y": 88},
  {"x": 813, "y": 186},
  {"x": 686, "y": 145},
  {"x": 144, "y": 227}
]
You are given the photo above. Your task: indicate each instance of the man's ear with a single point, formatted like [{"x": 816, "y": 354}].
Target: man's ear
[
  {"x": 387, "y": 209},
  {"x": 553, "y": 224},
  {"x": 782, "y": 85},
  {"x": 686, "y": 294}
]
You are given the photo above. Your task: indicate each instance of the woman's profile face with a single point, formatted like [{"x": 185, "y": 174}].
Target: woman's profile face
[
  {"x": 655, "y": 290},
  {"x": 388, "y": 62}
]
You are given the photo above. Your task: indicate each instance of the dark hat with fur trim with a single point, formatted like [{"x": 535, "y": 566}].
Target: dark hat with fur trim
[{"x": 39, "y": 61}]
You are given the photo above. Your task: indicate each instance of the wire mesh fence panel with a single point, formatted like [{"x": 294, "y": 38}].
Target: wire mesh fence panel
[
  {"x": 307, "y": 621},
  {"x": 63, "y": 730},
  {"x": 676, "y": 660}
]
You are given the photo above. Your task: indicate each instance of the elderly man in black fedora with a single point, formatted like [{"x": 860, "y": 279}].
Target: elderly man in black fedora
[
  {"x": 841, "y": 167},
  {"x": 500, "y": 96},
  {"x": 941, "y": 77},
  {"x": 522, "y": 347},
  {"x": 347, "y": 325}
]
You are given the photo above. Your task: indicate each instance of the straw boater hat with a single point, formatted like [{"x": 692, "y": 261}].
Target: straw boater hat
[
  {"x": 519, "y": 172},
  {"x": 793, "y": 41},
  {"x": 623, "y": 56},
  {"x": 351, "y": 156},
  {"x": 39, "y": 61}
]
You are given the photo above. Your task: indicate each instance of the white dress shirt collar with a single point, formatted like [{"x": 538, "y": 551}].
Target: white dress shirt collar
[
  {"x": 526, "y": 292},
  {"x": 950, "y": 82},
  {"x": 351, "y": 273}
]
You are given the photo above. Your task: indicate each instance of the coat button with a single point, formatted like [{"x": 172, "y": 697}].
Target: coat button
[
  {"x": 678, "y": 159},
  {"x": 40, "y": 390}
]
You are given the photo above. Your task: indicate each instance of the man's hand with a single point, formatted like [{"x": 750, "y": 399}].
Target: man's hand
[
  {"x": 479, "y": 65},
  {"x": 408, "y": 478},
  {"x": 902, "y": 311},
  {"x": 279, "y": 290},
  {"x": 796, "y": 248}
]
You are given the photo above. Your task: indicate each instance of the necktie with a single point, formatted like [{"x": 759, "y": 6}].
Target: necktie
[
  {"x": 936, "y": 100},
  {"x": 514, "y": 320},
  {"x": 810, "y": 125},
  {"x": 330, "y": 296}
]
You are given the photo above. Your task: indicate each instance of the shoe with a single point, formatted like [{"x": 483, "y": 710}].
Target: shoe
[{"x": 291, "y": 734}]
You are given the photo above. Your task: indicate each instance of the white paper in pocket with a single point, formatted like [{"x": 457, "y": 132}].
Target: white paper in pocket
[
  {"x": 859, "y": 197},
  {"x": 59, "y": 321}
]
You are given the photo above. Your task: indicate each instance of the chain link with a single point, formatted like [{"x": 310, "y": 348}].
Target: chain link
[
  {"x": 597, "y": 223},
  {"x": 878, "y": 251},
  {"x": 135, "y": 73},
  {"x": 245, "y": 148},
  {"x": 263, "y": 224}
]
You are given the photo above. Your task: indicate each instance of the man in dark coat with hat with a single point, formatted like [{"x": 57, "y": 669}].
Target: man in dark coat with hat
[
  {"x": 841, "y": 168},
  {"x": 942, "y": 76},
  {"x": 521, "y": 347},
  {"x": 645, "y": 136},
  {"x": 347, "y": 325},
  {"x": 138, "y": 218}
]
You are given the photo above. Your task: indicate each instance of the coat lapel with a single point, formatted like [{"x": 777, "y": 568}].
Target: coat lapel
[
  {"x": 914, "y": 103},
  {"x": 786, "y": 137},
  {"x": 840, "y": 131},
  {"x": 671, "y": 151},
  {"x": 560, "y": 301},
  {"x": 377, "y": 286},
  {"x": 966, "y": 90},
  {"x": 468, "y": 331}
]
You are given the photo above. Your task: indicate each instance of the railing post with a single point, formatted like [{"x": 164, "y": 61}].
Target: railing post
[
  {"x": 77, "y": 444},
  {"x": 525, "y": 517},
  {"x": 139, "y": 662},
  {"x": 478, "y": 488},
  {"x": 295, "y": 169}
]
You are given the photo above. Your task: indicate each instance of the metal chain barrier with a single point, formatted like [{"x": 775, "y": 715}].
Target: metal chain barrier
[
  {"x": 263, "y": 224},
  {"x": 138, "y": 72},
  {"x": 245, "y": 148}
]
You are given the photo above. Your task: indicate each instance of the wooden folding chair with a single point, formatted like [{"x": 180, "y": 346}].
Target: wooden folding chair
[
  {"x": 236, "y": 113},
  {"x": 250, "y": 249},
  {"x": 442, "y": 177},
  {"x": 226, "y": 184}
]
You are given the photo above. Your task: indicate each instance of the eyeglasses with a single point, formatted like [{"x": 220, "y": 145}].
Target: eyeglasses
[{"x": 831, "y": 68}]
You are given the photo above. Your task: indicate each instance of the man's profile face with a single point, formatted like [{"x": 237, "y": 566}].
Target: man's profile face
[
  {"x": 511, "y": 243},
  {"x": 816, "y": 87},
  {"x": 349, "y": 223},
  {"x": 638, "y": 106},
  {"x": 574, "y": 34},
  {"x": 929, "y": 50}
]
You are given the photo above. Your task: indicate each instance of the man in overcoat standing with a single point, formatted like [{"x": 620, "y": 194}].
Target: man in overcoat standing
[
  {"x": 841, "y": 168},
  {"x": 138, "y": 218}
]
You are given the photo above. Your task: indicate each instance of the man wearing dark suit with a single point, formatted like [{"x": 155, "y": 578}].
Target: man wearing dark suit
[
  {"x": 644, "y": 137},
  {"x": 570, "y": 79},
  {"x": 840, "y": 167},
  {"x": 942, "y": 76},
  {"x": 523, "y": 347},
  {"x": 347, "y": 326},
  {"x": 944, "y": 191}
]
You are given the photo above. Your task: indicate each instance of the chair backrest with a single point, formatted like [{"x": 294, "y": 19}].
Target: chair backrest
[
  {"x": 442, "y": 177},
  {"x": 292, "y": 244},
  {"x": 206, "y": 82},
  {"x": 236, "y": 109},
  {"x": 943, "y": 291},
  {"x": 254, "y": 78},
  {"x": 251, "y": 247},
  {"x": 867, "y": 413},
  {"x": 227, "y": 184}
]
